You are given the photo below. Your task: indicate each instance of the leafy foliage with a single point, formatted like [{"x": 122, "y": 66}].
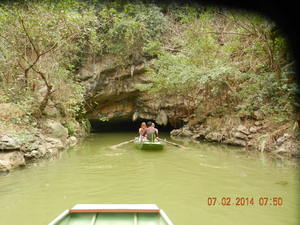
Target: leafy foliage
[
  {"x": 130, "y": 31},
  {"x": 40, "y": 53},
  {"x": 227, "y": 62},
  {"x": 218, "y": 61}
]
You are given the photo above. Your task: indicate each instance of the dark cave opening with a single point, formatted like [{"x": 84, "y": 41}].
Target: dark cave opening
[{"x": 98, "y": 126}]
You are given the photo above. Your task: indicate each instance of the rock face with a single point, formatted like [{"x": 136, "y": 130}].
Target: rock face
[
  {"x": 11, "y": 160},
  {"x": 283, "y": 138},
  {"x": 214, "y": 137},
  {"x": 72, "y": 141},
  {"x": 55, "y": 129},
  {"x": 258, "y": 115},
  {"x": 8, "y": 143},
  {"x": 235, "y": 141},
  {"x": 110, "y": 90},
  {"x": 47, "y": 142},
  {"x": 112, "y": 94},
  {"x": 183, "y": 132},
  {"x": 251, "y": 136},
  {"x": 242, "y": 129}
]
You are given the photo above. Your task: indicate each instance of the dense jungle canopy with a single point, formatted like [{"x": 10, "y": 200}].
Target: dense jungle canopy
[{"x": 222, "y": 61}]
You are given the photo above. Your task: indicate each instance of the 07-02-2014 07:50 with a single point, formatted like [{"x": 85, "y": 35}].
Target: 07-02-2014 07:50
[{"x": 245, "y": 201}]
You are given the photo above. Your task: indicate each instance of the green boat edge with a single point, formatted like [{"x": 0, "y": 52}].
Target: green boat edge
[
  {"x": 149, "y": 145},
  {"x": 105, "y": 214}
]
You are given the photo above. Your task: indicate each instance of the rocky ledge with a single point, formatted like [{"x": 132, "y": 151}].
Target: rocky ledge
[
  {"x": 47, "y": 142},
  {"x": 251, "y": 136}
]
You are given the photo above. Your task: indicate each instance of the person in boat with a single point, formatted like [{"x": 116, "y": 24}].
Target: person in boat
[
  {"x": 150, "y": 132},
  {"x": 142, "y": 132},
  {"x": 156, "y": 131}
]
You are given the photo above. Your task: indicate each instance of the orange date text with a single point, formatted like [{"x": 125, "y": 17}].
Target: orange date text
[{"x": 244, "y": 201}]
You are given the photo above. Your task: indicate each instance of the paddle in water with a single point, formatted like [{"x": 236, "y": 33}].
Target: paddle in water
[
  {"x": 172, "y": 143},
  {"x": 122, "y": 143},
  {"x": 164, "y": 140}
]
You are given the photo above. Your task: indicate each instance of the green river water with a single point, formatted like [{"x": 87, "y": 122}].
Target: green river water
[{"x": 178, "y": 181}]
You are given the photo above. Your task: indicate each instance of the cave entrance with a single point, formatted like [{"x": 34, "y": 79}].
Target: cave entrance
[{"x": 98, "y": 126}]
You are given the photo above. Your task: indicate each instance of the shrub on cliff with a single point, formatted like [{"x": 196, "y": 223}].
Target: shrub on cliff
[
  {"x": 40, "y": 44},
  {"x": 130, "y": 30},
  {"x": 219, "y": 61},
  {"x": 227, "y": 62}
]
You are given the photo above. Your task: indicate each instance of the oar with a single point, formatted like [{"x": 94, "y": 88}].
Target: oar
[
  {"x": 123, "y": 143},
  {"x": 172, "y": 143}
]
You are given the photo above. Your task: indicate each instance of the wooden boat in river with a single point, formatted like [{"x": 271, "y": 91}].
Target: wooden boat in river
[
  {"x": 149, "y": 145},
  {"x": 109, "y": 214}
]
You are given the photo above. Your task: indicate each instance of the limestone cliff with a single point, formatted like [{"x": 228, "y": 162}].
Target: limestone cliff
[{"x": 111, "y": 94}]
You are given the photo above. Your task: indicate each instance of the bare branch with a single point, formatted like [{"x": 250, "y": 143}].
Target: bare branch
[
  {"x": 234, "y": 33},
  {"x": 48, "y": 50},
  {"x": 28, "y": 36},
  {"x": 38, "y": 54},
  {"x": 244, "y": 26},
  {"x": 32, "y": 66},
  {"x": 49, "y": 90}
]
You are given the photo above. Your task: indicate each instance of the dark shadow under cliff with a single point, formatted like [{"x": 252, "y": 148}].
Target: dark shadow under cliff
[{"x": 123, "y": 125}]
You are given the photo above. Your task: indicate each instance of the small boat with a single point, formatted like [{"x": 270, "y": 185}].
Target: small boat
[
  {"x": 149, "y": 145},
  {"x": 113, "y": 214}
]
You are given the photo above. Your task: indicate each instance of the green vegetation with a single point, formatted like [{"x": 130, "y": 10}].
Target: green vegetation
[
  {"x": 220, "y": 61},
  {"x": 38, "y": 56},
  {"x": 228, "y": 62},
  {"x": 130, "y": 31}
]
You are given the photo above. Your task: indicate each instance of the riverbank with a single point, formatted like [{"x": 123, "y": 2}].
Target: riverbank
[
  {"x": 218, "y": 75},
  {"x": 260, "y": 134},
  {"x": 52, "y": 137},
  {"x": 19, "y": 146}
]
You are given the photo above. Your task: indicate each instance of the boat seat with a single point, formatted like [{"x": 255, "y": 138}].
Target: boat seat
[{"x": 113, "y": 219}]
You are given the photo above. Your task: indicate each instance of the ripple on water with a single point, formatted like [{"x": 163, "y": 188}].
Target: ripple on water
[
  {"x": 213, "y": 166},
  {"x": 114, "y": 154}
]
